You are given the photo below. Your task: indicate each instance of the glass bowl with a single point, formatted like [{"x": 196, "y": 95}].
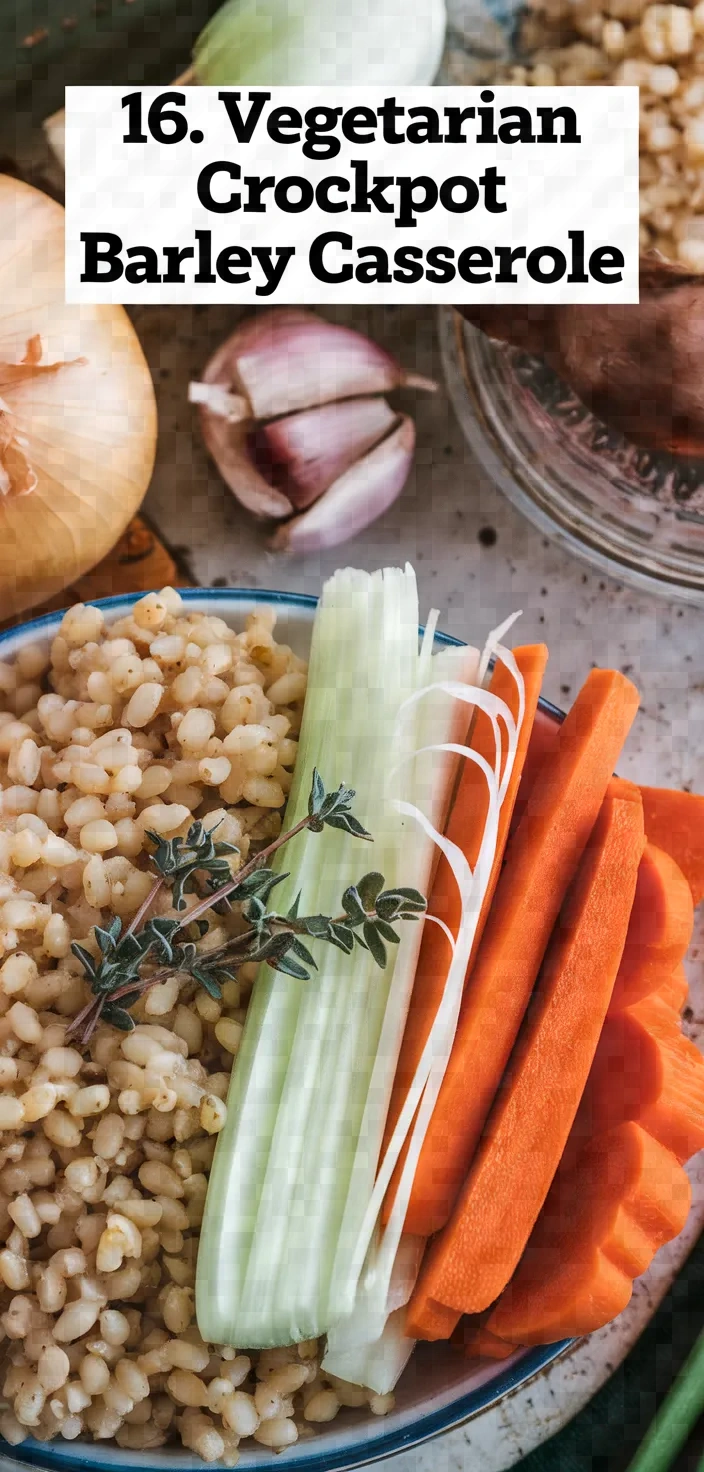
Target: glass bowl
[
  {"x": 635, "y": 514},
  {"x": 439, "y": 1390}
]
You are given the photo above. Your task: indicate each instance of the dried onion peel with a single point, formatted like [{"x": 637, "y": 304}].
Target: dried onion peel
[{"x": 77, "y": 412}]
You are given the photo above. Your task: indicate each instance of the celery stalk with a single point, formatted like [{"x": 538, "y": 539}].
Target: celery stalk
[
  {"x": 295, "y": 1164},
  {"x": 368, "y": 1345}
]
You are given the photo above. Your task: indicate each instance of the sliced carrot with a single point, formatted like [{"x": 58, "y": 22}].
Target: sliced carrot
[
  {"x": 675, "y": 989},
  {"x": 646, "y": 1071},
  {"x": 542, "y": 744},
  {"x": 472, "y": 1259},
  {"x": 478, "y": 1343},
  {"x": 660, "y": 930},
  {"x": 675, "y": 822},
  {"x": 465, "y": 828},
  {"x": 541, "y": 860},
  {"x": 601, "y": 1226}
]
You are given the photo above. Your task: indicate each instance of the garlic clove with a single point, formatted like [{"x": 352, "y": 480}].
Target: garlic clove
[
  {"x": 216, "y": 398},
  {"x": 287, "y": 359},
  {"x": 357, "y": 498},
  {"x": 230, "y": 447},
  {"x": 302, "y": 454}
]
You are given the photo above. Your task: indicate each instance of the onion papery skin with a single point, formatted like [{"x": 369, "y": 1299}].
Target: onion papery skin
[{"x": 90, "y": 428}]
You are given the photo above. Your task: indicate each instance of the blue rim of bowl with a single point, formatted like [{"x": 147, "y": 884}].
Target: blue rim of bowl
[{"x": 360, "y": 1453}]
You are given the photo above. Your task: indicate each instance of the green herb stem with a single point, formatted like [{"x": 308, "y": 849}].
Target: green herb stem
[
  {"x": 238, "y": 879},
  {"x": 145, "y": 906},
  {"x": 116, "y": 977},
  {"x": 675, "y": 1418}
]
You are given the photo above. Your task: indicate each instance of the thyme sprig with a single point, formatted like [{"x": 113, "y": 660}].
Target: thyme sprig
[{"x": 150, "y": 950}]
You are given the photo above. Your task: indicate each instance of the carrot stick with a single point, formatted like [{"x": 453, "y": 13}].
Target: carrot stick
[
  {"x": 675, "y": 822},
  {"x": 465, "y": 828},
  {"x": 471, "y": 1261},
  {"x": 543, "y": 741},
  {"x": 541, "y": 860},
  {"x": 660, "y": 929}
]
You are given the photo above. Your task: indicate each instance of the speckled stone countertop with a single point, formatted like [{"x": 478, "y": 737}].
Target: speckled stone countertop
[{"x": 477, "y": 561}]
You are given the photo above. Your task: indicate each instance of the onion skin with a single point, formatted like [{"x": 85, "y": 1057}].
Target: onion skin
[
  {"x": 90, "y": 428},
  {"x": 639, "y": 368}
]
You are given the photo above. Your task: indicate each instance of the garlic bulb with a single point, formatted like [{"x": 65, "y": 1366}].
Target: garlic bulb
[
  {"x": 293, "y": 415},
  {"x": 77, "y": 412}
]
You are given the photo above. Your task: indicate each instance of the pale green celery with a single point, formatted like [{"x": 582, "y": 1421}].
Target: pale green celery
[
  {"x": 427, "y": 775},
  {"x": 368, "y": 1345},
  {"x": 268, "y": 43},
  {"x": 285, "y": 1159}
]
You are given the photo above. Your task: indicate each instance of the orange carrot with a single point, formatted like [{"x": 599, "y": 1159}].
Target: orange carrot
[
  {"x": 478, "y": 1343},
  {"x": 465, "y": 828},
  {"x": 675, "y": 822},
  {"x": 543, "y": 741},
  {"x": 647, "y": 1071},
  {"x": 660, "y": 930},
  {"x": 541, "y": 860},
  {"x": 471, "y": 1261},
  {"x": 675, "y": 989},
  {"x": 601, "y": 1226}
]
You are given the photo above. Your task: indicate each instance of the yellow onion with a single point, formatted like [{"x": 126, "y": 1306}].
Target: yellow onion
[{"x": 77, "y": 412}]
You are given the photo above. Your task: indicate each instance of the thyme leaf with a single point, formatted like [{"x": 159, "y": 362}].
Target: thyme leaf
[{"x": 150, "y": 950}]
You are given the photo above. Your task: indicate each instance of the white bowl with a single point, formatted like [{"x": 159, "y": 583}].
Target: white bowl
[{"x": 440, "y": 1389}]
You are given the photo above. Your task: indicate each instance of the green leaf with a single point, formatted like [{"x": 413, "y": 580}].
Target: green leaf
[
  {"x": 260, "y": 882},
  {"x": 352, "y": 906},
  {"x": 85, "y": 959},
  {"x": 387, "y": 931},
  {"x": 288, "y": 966},
  {"x": 207, "y": 981},
  {"x": 274, "y": 945},
  {"x": 105, "y": 940},
  {"x": 317, "y": 794},
  {"x": 369, "y": 887},
  {"x": 292, "y": 914},
  {"x": 132, "y": 948},
  {"x": 375, "y": 943},
  {"x": 128, "y": 999},
  {"x": 299, "y": 949},
  {"x": 341, "y": 936},
  {"x": 185, "y": 956},
  {"x": 348, "y": 824},
  {"x": 160, "y": 932},
  {"x": 254, "y": 911},
  {"x": 317, "y": 926},
  {"x": 118, "y": 1017}
]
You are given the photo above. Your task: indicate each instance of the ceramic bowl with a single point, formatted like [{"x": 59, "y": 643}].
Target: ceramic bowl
[{"x": 440, "y": 1389}]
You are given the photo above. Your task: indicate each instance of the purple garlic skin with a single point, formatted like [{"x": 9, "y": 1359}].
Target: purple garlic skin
[
  {"x": 288, "y": 359},
  {"x": 305, "y": 453},
  {"x": 358, "y": 498},
  {"x": 293, "y": 413}
]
